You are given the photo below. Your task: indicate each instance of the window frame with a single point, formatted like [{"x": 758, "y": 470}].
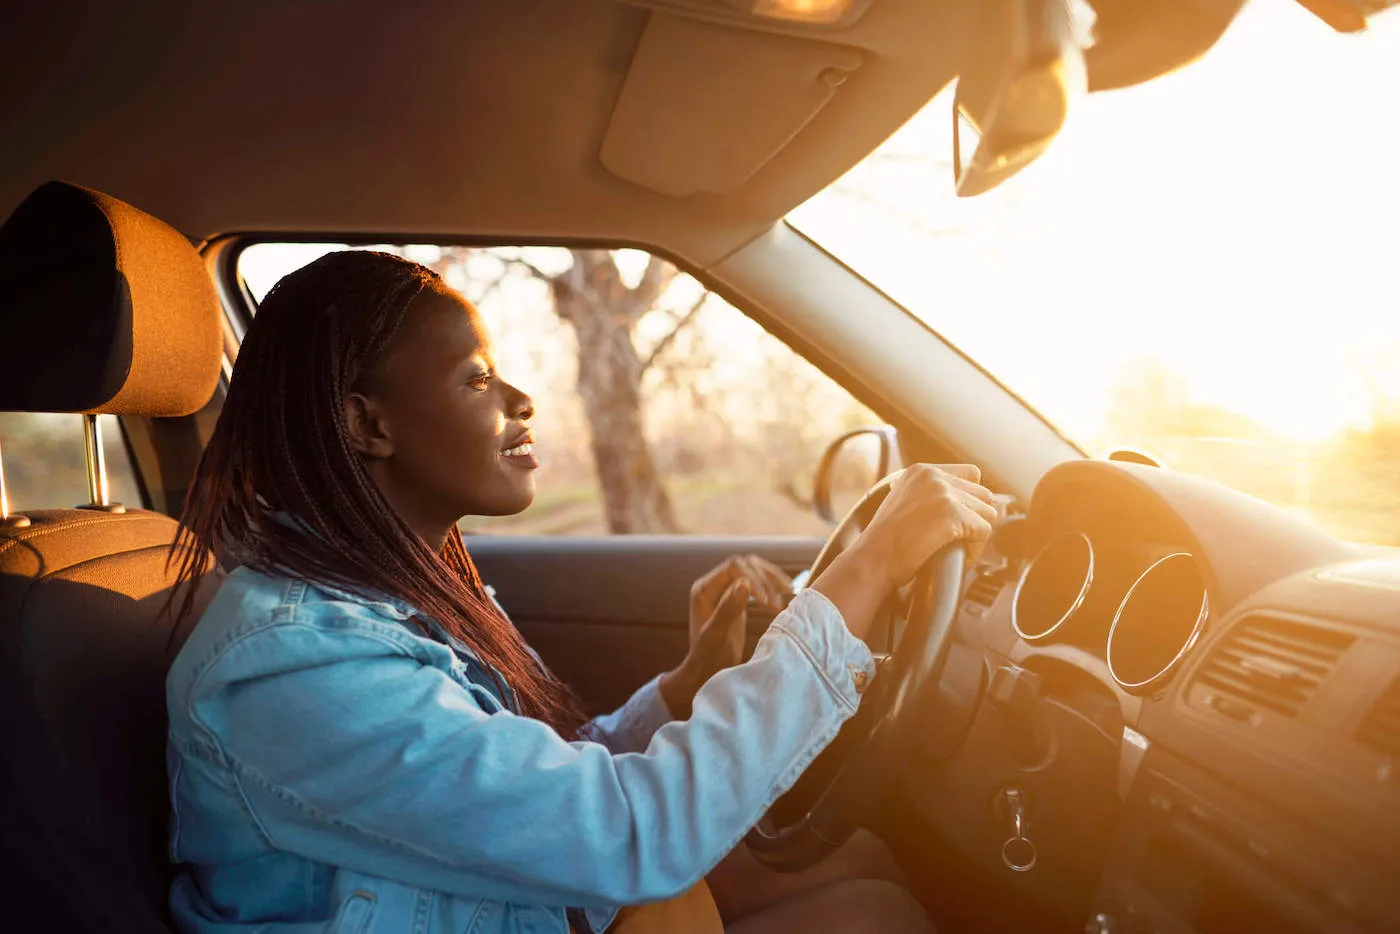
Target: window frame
[
  {"x": 222, "y": 257},
  {"x": 222, "y": 254}
]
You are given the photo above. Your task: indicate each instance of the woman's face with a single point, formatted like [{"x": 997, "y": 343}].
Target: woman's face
[{"x": 443, "y": 435}]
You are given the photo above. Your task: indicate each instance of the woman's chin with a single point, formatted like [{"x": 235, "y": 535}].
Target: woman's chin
[{"x": 507, "y": 502}]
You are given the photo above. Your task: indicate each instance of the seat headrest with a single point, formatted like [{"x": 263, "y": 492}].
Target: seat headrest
[{"x": 103, "y": 308}]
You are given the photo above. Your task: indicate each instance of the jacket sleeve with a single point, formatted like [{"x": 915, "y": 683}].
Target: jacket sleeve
[
  {"x": 370, "y": 760},
  {"x": 631, "y": 727}
]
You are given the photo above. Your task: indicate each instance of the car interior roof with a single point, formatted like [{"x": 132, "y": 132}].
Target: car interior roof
[{"x": 443, "y": 119}]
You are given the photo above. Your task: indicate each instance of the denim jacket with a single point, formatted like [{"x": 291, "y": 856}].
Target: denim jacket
[{"x": 333, "y": 769}]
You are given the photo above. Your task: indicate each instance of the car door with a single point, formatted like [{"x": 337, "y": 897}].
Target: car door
[{"x": 607, "y": 613}]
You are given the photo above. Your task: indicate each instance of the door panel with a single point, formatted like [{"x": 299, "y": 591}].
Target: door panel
[{"x": 609, "y": 613}]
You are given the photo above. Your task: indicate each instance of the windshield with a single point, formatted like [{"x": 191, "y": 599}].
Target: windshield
[{"x": 1203, "y": 267}]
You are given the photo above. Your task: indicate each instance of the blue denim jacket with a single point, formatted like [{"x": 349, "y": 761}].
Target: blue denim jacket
[{"x": 332, "y": 769}]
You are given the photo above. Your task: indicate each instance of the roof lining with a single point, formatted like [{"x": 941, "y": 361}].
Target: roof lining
[{"x": 450, "y": 118}]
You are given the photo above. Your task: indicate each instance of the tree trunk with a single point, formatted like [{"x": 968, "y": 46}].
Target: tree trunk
[{"x": 603, "y": 313}]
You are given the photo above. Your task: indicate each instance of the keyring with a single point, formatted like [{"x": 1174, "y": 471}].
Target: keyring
[{"x": 1018, "y": 853}]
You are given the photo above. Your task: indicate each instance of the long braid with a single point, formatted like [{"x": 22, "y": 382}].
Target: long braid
[{"x": 282, "y": 445}]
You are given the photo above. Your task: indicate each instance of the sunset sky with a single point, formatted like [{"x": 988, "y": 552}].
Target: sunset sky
[{"x": 1239, "y": 220}]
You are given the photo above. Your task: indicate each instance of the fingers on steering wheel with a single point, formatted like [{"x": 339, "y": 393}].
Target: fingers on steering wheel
[
  {"x": 977, "y": 518},
  {"x": 719, "y": 578},
  {"x": 733, "y": 603},
  {"x": 765, "y": 583},
  {"x": 781, "y": 582},
  {"x": 770, "y": 585},
  {"x": 971, "y": 487},
  {"x": 977, "y": 526},
  {"x": 969, "y": 472},
  {"x": 986, "y": 510}
]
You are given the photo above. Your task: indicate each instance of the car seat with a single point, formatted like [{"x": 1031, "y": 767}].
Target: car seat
[{"x": 103, "y": 309}]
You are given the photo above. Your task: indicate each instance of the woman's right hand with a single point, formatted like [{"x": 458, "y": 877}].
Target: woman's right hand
[{"x": 927, "y": 508}]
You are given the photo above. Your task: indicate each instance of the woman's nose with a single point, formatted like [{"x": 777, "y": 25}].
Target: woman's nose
[{"x": 520, "y": 405}]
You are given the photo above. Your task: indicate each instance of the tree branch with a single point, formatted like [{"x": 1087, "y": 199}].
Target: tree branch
[
  {"x": 681, "y": 322},
  {"x": 569, "y": 283},
  {"x": 531, "y": 268},
  {"x": 655, "y": 278},
  {"x": 488, "y": 290}
]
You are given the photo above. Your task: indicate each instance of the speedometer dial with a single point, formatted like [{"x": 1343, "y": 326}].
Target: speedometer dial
[
  {"x": 1053, "y": 587},
  {"x": 1158, "y": 622}
]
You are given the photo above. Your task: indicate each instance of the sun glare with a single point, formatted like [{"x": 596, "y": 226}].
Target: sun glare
[
  {"x": 1235, "y": 222},
  {"x": 1202, "y": 267}
]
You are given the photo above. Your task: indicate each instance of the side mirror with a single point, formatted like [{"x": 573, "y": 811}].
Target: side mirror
[{"x": 853, "y": 463}]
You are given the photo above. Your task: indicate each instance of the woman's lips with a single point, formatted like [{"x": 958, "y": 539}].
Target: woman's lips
[{"x": 522, "y": 455}]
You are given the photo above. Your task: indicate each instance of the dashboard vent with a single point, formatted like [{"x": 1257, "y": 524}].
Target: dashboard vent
[
  {"x": 982, "y": 593},
  {"x": 1381, "y": 728},
  {"x": 1270, "y": 663}
]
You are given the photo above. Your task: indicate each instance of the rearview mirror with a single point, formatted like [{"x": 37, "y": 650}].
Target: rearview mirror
[
  {"x": 853, "y": 463},
  {"x": 1024, "y": 68}
]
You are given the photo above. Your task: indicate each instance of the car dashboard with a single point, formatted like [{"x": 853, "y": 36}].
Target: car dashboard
[{"x": 1177, "y": 709}]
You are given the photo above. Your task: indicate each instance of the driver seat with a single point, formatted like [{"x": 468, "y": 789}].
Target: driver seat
[{"x": 103, "y": 309}]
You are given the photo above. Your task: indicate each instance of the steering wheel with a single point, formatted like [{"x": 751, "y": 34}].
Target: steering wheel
[{"x": 832, "y": 796}]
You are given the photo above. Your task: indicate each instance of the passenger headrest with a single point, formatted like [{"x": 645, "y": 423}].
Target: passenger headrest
[{"x": 103, "y": 308}]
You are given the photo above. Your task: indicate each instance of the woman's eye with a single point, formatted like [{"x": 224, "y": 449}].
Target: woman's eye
[{"x": 479, "y": 383}]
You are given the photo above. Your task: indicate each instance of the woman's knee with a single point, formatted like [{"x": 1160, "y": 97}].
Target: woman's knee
[
  {"x": 880, "y": 905},
  {"x": 865, "y": 856},
  {"x": 743, "y": 886},
  {"x": 854, "y": 906}
]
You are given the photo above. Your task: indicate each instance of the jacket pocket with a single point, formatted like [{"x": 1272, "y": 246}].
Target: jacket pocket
[{"x": 354, "y": 914}]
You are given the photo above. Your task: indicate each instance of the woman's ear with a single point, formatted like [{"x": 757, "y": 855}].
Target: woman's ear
[{"x": 367, "y": 427}]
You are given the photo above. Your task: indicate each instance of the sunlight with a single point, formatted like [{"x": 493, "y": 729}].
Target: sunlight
[
  {"x": 1201, "y": 268},
  {"x": 1235, "y": 220}
]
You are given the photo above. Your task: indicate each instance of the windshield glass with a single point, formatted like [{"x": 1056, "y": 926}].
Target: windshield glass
[{"x": 1203, "y": 267}]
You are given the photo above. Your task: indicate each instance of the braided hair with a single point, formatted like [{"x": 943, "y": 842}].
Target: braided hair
[{"x": 281, "y": 446}]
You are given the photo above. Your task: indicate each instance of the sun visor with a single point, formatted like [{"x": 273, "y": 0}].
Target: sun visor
[{"x": 704, "y": 107}]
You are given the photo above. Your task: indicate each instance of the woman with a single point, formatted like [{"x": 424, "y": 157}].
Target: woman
[{"x": 361, "y": 741}]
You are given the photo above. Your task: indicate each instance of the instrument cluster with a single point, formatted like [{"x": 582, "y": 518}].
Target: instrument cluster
[{"x": 1141, "y": 608}]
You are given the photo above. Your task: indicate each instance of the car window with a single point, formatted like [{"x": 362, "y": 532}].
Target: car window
[
  {"x": 1201, "y": 267},
  {"x": 45, "y": 465},
  {"x": 689, "y": 417}
]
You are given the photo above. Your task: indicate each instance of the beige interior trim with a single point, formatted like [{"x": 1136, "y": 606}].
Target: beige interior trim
[
  {"x": 704, "y": 107},
  {"x": 413, "y": 120}
]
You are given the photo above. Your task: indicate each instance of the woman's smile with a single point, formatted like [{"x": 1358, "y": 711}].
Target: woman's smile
[{"x": 521, "y": 453}]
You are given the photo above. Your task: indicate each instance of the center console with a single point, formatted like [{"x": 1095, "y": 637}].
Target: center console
[{"x": 1193, "y": 856}]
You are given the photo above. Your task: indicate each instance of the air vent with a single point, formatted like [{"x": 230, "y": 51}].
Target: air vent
[
  {"x": 1381, "y": 728},
  {"x": 982, "y": 593},
  {"x": 1270, "y": 664}
]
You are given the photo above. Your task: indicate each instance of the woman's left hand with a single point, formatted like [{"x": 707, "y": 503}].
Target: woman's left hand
[{"x": 719, "y": 604}]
